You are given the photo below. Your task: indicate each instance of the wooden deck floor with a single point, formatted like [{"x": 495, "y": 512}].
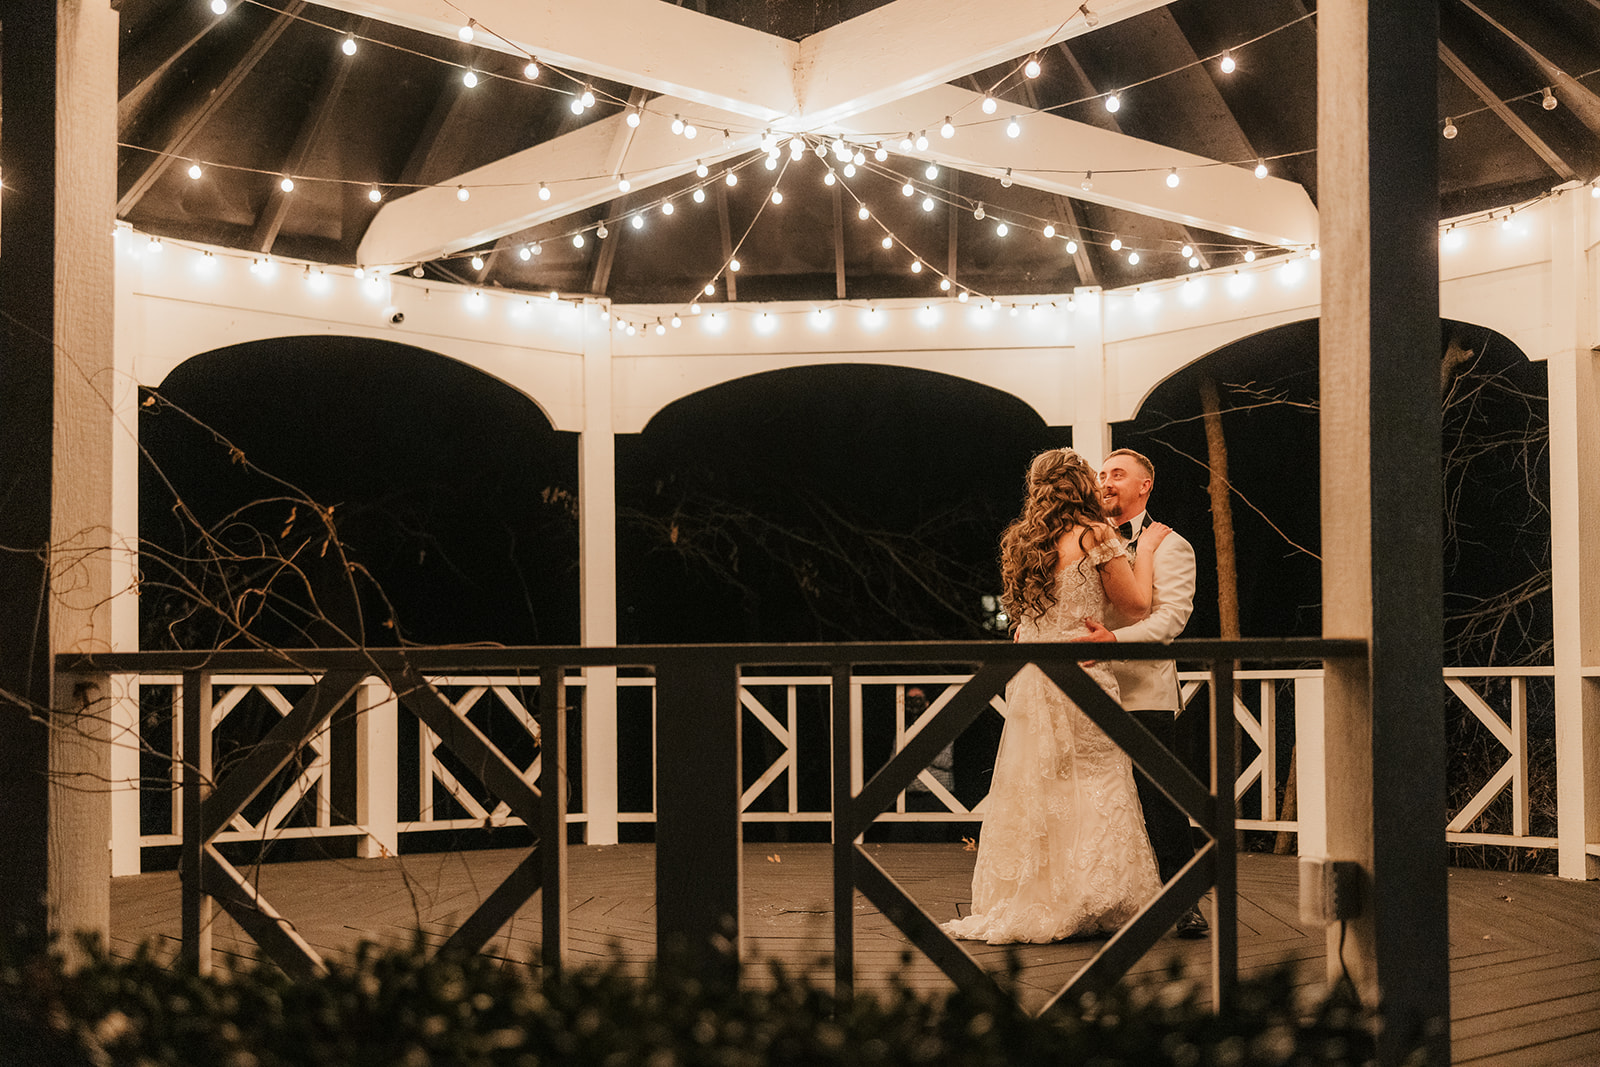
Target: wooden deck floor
[{"x": 1525, "y": 949}]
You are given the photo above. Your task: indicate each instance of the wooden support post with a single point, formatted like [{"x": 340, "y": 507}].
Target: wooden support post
[
  {"x": 553, "y": 818},
  {"x": 1574, "y": 371},
  {"x": 195, "y": 905},
  {"x": 699, "y": 851},
  {"x": 57, "y": 277},
  {"x": 1381, "y": 507},
  {"x": 597, "y": 567},
  {"x": 1089, "y": 379}
]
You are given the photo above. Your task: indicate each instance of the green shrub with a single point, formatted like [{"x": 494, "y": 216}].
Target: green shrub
[{"x": 399, "y": 1007}]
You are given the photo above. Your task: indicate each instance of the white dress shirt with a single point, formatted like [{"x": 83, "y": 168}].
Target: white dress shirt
[{"x": 1152, "y": 685}]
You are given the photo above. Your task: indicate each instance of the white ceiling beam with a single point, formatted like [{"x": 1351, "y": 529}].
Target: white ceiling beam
[
  {"x": 664, "y": 48},
  {"x": 910, "y": 46},
  {"x": 580, "y": 169},
  {"x": 1053, "y": 153}
]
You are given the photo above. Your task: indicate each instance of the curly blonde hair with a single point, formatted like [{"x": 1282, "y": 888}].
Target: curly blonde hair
[{"x": 1062, "y": 492}]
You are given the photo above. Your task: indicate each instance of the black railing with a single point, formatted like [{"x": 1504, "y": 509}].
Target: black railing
[{"x": 699, "y": 784}]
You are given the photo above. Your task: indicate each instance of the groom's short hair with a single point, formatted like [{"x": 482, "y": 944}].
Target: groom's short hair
[{"x": 1143, "y": 461}]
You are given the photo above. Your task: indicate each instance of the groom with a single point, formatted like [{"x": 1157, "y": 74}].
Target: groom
[{"x": 1150, "y": 687}]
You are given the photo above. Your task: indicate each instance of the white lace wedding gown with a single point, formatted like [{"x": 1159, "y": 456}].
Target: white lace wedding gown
[{"x": 1063, "y": 849}]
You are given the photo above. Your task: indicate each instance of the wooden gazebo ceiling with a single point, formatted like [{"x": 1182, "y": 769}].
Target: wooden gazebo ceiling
[{"x": 265, "y": 90}]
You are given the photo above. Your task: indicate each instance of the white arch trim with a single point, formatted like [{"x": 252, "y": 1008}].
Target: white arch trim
[{"x": 186, "y": 300}]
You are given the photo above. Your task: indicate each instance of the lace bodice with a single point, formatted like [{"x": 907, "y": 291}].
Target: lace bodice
[{"x": 1079, "y": 595}]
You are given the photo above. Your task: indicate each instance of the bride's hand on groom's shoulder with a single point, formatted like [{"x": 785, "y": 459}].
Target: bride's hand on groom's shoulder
[{"x": 1153, "y": 534}]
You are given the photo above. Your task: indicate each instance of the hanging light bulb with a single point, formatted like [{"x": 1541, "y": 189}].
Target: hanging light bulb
[
  {"x": 948, "y": 130},
  {"x": 1001, "y": 230},
  {"x": 916, "y": 266},
  {"x": 700, "y": 169},
  {"x": 1005, "y": 179},
  {"x": 155, "y": 244},
  {"x": 927, "y": 203},
  {"x": 944, "y": 284},
  {"x": 477, "y": 262},
  {"x": 860, "y": 158},
  {"x": 1089, "y": 17},
  {"x": 1249, "y": 255},
  {"x": 694, "y": 308},
  {"x": 349, "y": 46},
  {"x": 462, "y": 193},
  {"x": 829, "y": 179},
  {"x": 1172, "y": 178},
  {"x": 1548, "y": 102},
  {"x": 676, "y": 321},
  {"x": 1261, "y": 168},
  {"x": 544, "y": 191},
  {"x": 1014, "y": 127},
  {"x": 888, "y": 242},
  {"x": 1186, "y": 251},
  {"x": 733, "y": 265},
  {"x": 577, "y": 240},
  {"x": 711, "y": 289},
  {"x": 849, "y": 170},
  {"x": 219, "y": 7},
  {"x": 1031, "y": 68},
  {"x": 699, "y": 196},
  {"x": 1227, "y": 65},
  {"x": 677, "y": 125},
  {"x": 195, "y": 171},
  {"x": 922, "y": 141},
  {"x": 287, "y": 184},
  {"x": 531, "y": 71},
  {"x": 978, "y": 211},
  {"x": 466, "y": 32},
  {"x": 962, "y": 296},
  {"x": 470, "y": 78},
  {"x": 635, "y": 116},
  {"x": 797, "y": 148},
  {"x": 524, "y": 253},
  {"x": 1133, "y": 259},
  {"x": 1194, "y": 261},
  {"x": 907, "y": 189},
  {"x": 862, "y": 213},
  {"x": 1072, "y": 247},
  {"x": 731, "y": 178},
  {"x": 417, "y": 271},
  {"x": 1113, "y": 103},
  {"x": 623, "y": 183},
  {"x": 1450, "y": 130},
  {"x": 637, "y": 222},
  {"x": 905, "y": 143},
  {"x": 932, "y": 172},
  {"x": 777, "y": 197},
  {"x": 576, "y": 105},
  {"x": 771, "y": 162},
  {"x": 1088, "y": 181},
  {"x": 1116, "y": 244},
  {"x": 601, "y": 232},
  {"x": 587, "y": 99},
  {"x": 1049, "y": 229},
  {"x": 990, "y": 105},
  {"x": 880, "y": 153},
  {"x": 375, "y": 194}
]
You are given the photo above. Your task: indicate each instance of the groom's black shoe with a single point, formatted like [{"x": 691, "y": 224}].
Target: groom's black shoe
[{"x": 1192, "y": 925}]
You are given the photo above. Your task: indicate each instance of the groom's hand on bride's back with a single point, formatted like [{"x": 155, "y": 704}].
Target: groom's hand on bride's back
[{"x": 1096, "y": 632}]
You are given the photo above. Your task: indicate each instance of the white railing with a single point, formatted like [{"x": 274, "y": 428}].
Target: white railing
[{"x": 353, "y": 788}]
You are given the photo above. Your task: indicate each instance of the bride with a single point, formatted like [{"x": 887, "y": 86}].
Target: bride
[{"x": 1063, "y": 849}]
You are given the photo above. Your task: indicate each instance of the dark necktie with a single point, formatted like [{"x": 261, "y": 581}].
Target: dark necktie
[{"x": 1125, "y": 531}]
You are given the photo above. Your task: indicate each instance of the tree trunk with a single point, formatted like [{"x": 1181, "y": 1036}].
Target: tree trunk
[{"x": 1222, "y": 531}]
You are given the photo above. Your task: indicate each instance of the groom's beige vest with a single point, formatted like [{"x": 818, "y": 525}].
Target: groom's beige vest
[{"x": 1152, "y": 685}]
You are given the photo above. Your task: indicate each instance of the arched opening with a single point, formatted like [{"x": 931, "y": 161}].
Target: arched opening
[{"x": 450, "y": 502}]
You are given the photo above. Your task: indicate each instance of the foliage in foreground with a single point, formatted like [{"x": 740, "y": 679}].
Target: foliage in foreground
[{"x": 393, "y": 1007}]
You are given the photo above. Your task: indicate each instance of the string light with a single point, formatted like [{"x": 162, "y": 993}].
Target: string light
[
  {"x": 1072, "y": 247},
  {"x": 1014, "y": 127},
  {"x": 219, "y": 7},
  {"x": 1549, "y": 100},
  {"x": 1005, "y": 179},
  {"x": 978, "y": 211},
  {"x": 524, "y": 253},
  {"x": 927, "y": 203},
  {"x": 1001, "y": 230},
  {"x": 828, "y": 178},
  {"x": 1089, "y": 17},
  {"x": 732, "y": 178},
  {"x": 477, "y": 262},
  {"x": 531, "y": 71},
  {"x": 195, "y": 171},
  {"x": 667, "y": 207},
  {"x": 544, "y": 191},
  {"x": 587, "y": 99},
  {"x": 623, "y": 183},
  {"x": 916, "y": 266},
  {"x": 635, "y": 116},
  {"x": 1261, "y": 168},
  {"x": 637, "y": 221},
  {"x": 907, "y": 189},
  {"x": 1049, "y": 229},
  {"x": 677, "y": 125},
  {"x": 287, "y": 184},
  {"x": 577, "y": 240},
  {"x": 1088, "y": 181},
  {"x": 470, "y": 79},
  {"x": 375, "y": 194},
  {"x": 466, "y": 32},
  {"x": 932, "y": 172},
  {"x": 922, "y": 141},
  {"x": 1116, "y": 244},
  {"x": 948, "y": 130},
  {"x": 699, "y": 196},
  {"x": 701, "y": 170},
  {"x": 1227, "y": 63},
  {"x": 1113, "y": 103},
  {"x": 1186, "y": 251},
  {"x": 1133, "y": 259},
  {"x": 1172, "y": 178},
  {"x": 463, "y": 194},
  {"x": 349, "y": 46},
  {"x": 601, "y": 232},
  {"x": 888, "y": 242},
  {"x": 733, "y": 265},
  {"x": 1031, "y": 68},
  {"x": 777, "y": 197},
  {"x": 849, "y": 170},
  {"x": 1450, "y": 130},
  {"x": 1249, "y": 255},
  {"x": 862, "y": 213},
  {"x": 990, "y": 105},
  {"x": 880, "y": 153}
]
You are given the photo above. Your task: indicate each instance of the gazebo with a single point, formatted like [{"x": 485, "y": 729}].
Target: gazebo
[{"x": 511, "y": 258}]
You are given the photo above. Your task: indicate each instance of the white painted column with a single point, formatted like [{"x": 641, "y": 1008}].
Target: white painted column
[
  {"x": 1090, "y": 383},
  {"x": 1575, "y": 531},
  {"x": 124, "y": 691},
  {"x": 1311, "y": 779},
  {"x": 377, "y": 771},
  {"x": 597, "y": 568}
]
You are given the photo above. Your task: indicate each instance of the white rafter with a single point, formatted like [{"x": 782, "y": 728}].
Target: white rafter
[{"x": 884, "y": 72}]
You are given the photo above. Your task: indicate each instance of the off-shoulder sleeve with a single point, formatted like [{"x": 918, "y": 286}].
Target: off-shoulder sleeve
[{"x": 1107, "y": 550}]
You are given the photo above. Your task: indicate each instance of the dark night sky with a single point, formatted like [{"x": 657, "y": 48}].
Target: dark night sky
[{"x": 455, "y": 492}]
